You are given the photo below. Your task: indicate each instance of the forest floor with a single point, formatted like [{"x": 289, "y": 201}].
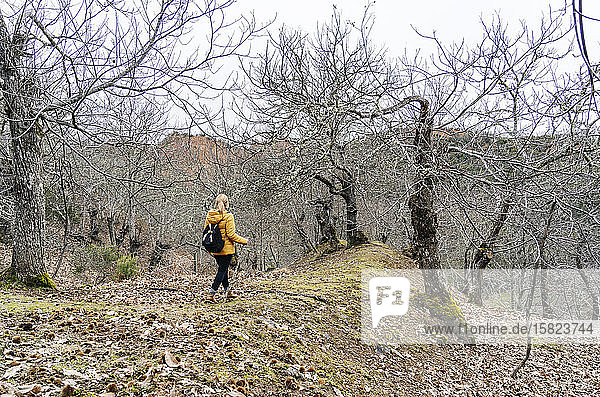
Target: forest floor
[{"x": 156, "y": 337}]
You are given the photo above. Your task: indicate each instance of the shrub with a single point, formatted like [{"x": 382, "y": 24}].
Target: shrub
[
  {"x": 127, "y": 267},
  {"x": 104, "y": 261},
  {"x": 98, "y": 259}
]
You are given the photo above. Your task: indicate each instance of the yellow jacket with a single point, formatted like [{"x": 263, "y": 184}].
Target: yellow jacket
[{"x": 227, "y": 227}]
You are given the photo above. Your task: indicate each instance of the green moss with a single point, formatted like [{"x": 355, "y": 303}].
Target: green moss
[
  {"x": 327, "y": 248},
  {"x": 442, "y": 306},
  {"x": 335, "y": 277},
  {"x": 79, "y": 393},
  {"x": 8, "y": 276},
  {"x": 359, "y": 239},
  {"x": 41, "y": 281},
  {"x": 9, "y": 280}
]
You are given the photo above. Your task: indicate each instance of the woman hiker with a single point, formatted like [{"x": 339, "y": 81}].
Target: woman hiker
[{"x": 227, "y": 227}]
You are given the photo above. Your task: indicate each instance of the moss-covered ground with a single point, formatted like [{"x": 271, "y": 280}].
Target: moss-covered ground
[{"x": 293, "y": 331}]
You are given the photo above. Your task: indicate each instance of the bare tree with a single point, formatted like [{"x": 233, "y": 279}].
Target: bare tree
[
  {"x": 58, "y": 63},
  {"x": 307, "y": 92},
  {"x": 20, "y": 95}
]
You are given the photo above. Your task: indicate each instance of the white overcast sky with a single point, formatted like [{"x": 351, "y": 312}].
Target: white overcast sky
[{"x": 452, "y": 20}]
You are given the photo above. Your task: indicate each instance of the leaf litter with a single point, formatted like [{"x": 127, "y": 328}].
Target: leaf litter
[{"x": 127, "y": 339}]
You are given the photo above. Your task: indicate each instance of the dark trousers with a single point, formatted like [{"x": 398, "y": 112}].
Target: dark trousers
[{"x": 222, "y": 277}]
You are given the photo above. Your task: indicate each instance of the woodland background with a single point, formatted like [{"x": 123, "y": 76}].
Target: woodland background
[{"x": 123, "y": 122}]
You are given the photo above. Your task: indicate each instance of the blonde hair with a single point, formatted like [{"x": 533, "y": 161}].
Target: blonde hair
[{"x": 222, "y": 202}]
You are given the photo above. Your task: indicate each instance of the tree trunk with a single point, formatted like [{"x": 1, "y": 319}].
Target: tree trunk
[
  {"x": 327, "y": 232},
  {"x": 94, "y": 226},
  {"x": 134, "y": 241},
  {"x": 29, "y": 223},
  {"x": 134, "y": 235},
  {"x": 123, "y": 231},
  {"x": 299, "y": 221},
  {"x": 111, "y": 230},
  {"x": 28, "y": 226},
  {"x": 421, "y": 203},
  {"x": 588, "y": 287},
  {"x": 156, "y": 259},
  {"x": 547, "y": 311},
  {"x": 67, "y": 220},
  {"x": 354, "y": 234},
  {"x": 540, "y": 263},
  {"x": 484, "y": 254}
]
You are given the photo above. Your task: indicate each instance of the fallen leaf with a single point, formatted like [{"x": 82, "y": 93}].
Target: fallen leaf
[
  {"x": 170, "y": 359},
  {"x": 25, "y": 389},
  {"x": 67, "y": 391},
  {"x": 12, "y": 372},
  {"x": 73, "y": 373}
]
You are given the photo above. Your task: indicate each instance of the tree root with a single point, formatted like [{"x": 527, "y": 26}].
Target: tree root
[{"x": 40, "y": 281}]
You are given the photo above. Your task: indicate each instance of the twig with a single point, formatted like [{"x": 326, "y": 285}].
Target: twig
[{"x": 541, "y": 244}]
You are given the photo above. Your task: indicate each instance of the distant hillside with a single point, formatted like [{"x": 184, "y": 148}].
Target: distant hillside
[{"x": 190, "y": 153}]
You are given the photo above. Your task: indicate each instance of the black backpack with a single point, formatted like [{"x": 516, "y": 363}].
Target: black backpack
[{"x": 212, "y": 239}]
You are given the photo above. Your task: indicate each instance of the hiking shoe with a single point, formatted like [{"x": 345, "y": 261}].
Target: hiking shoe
[
  {"x": 211, "y": 299},
  {"x": 231, "y": 295}
]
